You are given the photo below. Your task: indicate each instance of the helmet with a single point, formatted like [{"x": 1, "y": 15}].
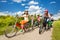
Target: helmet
[{"x": 46, "y": 10}]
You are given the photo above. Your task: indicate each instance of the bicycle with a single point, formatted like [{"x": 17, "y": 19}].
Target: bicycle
[
  {"x": 44, "y": 26},
  {"x": 12, "y": 30}
]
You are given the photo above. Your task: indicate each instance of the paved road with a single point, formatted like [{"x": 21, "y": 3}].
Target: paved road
[{"x": 33, "y": 35}]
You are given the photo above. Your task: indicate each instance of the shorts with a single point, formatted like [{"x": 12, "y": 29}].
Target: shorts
[{"x": 23, "y": 22}]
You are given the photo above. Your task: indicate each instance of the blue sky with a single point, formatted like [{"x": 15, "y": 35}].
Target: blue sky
[{"x": 33, "y": 6}]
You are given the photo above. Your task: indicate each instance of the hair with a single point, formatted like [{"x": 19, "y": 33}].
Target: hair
[
  {"x": 46, "y": 14},
  {"x": 26, "y": 13}
]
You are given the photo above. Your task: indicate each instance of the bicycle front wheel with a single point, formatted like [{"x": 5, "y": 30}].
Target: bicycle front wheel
[{"x": 10, "y": 31}]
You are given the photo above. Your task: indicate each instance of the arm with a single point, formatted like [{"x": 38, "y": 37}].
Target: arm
[{"x": 23, "y": 16}]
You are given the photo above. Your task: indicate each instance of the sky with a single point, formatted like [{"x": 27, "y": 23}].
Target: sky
[{"x": 33, "y": 6}]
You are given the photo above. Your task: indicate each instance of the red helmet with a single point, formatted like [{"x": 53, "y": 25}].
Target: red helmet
[{"x": 46, "y": 10}]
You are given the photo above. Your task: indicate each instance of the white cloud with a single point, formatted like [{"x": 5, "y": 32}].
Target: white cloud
[
  {"x": 3, "y": 1},
  {"x": 33, "y": 2},
  {"x": 53, "y": 2},
  {"x": 35, "y": 9},
  {"x": 56, "y": 16},
  {"x": 23, "y": 4},
  {"x": 26, "y": 7},
  {"x": 18, "y": 1},
  {"x": 3, "y": 14},
  {"x": 19, "y": 13}
]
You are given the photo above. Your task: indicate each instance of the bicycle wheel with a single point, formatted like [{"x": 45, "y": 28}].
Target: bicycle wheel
[
  {"x": 40, "y": 28},
  {"x": 26, "y": 27},
  {"x": 10, "y": 31}
]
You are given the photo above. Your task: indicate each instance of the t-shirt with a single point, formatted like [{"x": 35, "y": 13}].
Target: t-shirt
[
  {"x": 38, "y": 18},
  {"x": 26, "y": 17},
  {"x": 46, "y": 15}
]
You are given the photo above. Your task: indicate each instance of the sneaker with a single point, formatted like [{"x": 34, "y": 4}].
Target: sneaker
[{"x": 21, "y": 30}]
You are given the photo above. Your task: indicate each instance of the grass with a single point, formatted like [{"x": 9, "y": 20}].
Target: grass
[
  {"x": 56, "y": 31},
  {"x": 2, "y": 30}
]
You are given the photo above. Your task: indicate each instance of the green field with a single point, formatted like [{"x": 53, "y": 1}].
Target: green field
[{"x": 56, "y": 30}]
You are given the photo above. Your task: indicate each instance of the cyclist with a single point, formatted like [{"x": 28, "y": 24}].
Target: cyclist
[
  {"x": 46, "y": 18},
  {"x": 25, "y": 16}
]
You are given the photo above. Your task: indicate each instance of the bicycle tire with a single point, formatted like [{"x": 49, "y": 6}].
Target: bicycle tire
[{"x": 13, "y": 31}]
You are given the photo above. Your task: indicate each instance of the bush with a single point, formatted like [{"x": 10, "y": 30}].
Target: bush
[
  {"x": 5, "y": 21},
  {"x": 56, "y": 31}
]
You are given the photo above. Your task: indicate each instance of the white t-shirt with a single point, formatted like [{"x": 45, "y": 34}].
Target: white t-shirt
[{"x": 25, "y": 17}]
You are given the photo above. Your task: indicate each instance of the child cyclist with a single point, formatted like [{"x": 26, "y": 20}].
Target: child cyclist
[
  {"x": 38, "y": 19},
  {"x": 25, "y": 16}
]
